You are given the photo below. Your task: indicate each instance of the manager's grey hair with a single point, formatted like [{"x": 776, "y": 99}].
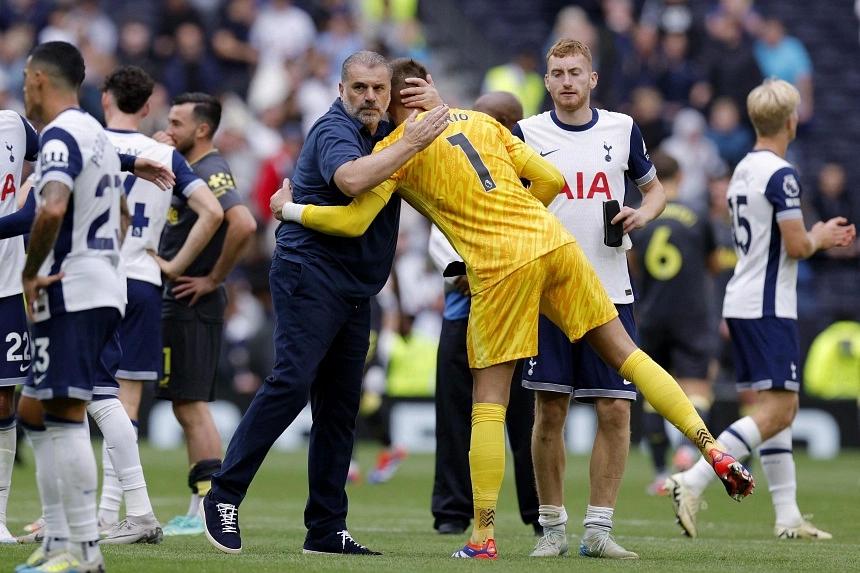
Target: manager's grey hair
[{"x": 364, "y": 58}]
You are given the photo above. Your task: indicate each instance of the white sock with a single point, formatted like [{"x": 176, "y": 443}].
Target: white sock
[
  {"x": 8, "y": 441},
  {"x": 739, "y": 440},
  {"x": 598, "y": 518},
  {"x": 193, "y": 506},
  {"x": 74, "y": 453},
  {"x": 552, "y": 517},
  {"x": 56, "y": 527},
  {"x": 778, "y": 465},
  {"x": 121, "y": 445},
  {"x": 111, "y": 498}
]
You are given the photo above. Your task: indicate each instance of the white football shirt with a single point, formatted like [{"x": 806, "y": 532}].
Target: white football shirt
[
  {"x": 147, "y": 204},
  {"x": 763, "y": 191},
  {"x": 595, "y": 159},
  {"x": 75, "y": 151},
  {"x": 20, "y": 143}
]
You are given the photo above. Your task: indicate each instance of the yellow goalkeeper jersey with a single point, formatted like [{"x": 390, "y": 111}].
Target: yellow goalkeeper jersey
[{"x": 468, "y": 183}]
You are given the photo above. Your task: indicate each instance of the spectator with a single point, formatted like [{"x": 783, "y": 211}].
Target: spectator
[
  {"x": 697, "y": 156},
  {"x": 641, "y": 69},
  {"x": 173, "y": 15},
  {"x": 732, "y": 138},
  {"x": 677, "y": 74},
  {"x": 519, "y": 76},
  {"x": 338, "y": 41},
  {"x": 647, "y": 112},
  {"x": 728, "y": 64},
  {"x": 95, "y": 26},
  {"x": 192, "y": 68},
  {"x": 274, "y": 169},
  {"x": 135, "y": 47},
  {"x": 281, "y": 32},
  {"x": 782, "y": 56},
  {"x": 315, "y": 91},
  {"x": 231, "y": 45}
]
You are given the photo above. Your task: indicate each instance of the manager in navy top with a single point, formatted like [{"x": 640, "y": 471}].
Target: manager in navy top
[{"x": 320, "y": 288}]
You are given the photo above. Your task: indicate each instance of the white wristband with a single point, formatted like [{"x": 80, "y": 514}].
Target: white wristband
[{"x": 292, "y": 212}]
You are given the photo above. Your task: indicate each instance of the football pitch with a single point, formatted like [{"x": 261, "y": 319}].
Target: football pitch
[{"x": 395, "y": 518}]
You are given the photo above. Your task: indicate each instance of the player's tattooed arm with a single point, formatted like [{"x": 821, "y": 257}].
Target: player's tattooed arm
[{"x": 46, "y": 227}]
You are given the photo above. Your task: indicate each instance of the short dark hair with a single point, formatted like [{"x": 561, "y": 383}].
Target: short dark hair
[
  {"x": 666, "y": 165},
  {"x": 207, "y": 108},
  {"x": 65, "y": 60},
  {"x": 403, "y": 68},
  {"x": 130, "y": 87}
]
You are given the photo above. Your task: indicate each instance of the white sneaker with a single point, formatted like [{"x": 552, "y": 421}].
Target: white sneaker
[
  {"x": 685, "y": 504},
  {"x": 6, "y": 538},
  {"x": 599, "y": 543},
  {"x": 35, "y": 532},
  {"x": 805, "y": 530},
  {"x": 143, "y": 529},
  {"x": 553, "y": 543}
]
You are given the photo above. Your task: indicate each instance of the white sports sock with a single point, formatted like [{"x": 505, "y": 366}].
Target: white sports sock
[
  {"x": 739, "y": 440},
  {"x": 56, "y": 527},
  {"x": 552, "y": 517},
  {"x": 777, "y": 462},
  {"x": 121, "y": 444},
  {"x": 111, "y": 498},
  {"x": 74, "y": 453},
  {"x": 193, "y": 506},
  {"x": 598, "y": 517},
  {"x": 8, "y": 441}
]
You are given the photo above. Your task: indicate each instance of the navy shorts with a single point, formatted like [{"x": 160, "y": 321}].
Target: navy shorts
[
  {"x": 766, "y": 352},
  {"x": 67, "y": 354},
  {"x": 15, "y": 348},
  {"x": 140, "y": 334},
  {"x": 573, "y": 367},
  {"x": 106, "y": 386}
]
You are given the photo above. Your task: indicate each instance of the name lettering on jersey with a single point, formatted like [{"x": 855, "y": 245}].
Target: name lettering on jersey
[
  {"x": 9, "y": 148},
  {"x": 99, "y": 148},
  {"x": 599, "y": 184},
  {"x": 459, "y": 116},
  {"x": 55, "y": 154},
  {"x": 680, "y": 213},
  {"x": 8, "y": 186}
]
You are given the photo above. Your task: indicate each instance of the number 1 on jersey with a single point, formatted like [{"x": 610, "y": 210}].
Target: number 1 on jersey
[{"x": 461, "y": 141}]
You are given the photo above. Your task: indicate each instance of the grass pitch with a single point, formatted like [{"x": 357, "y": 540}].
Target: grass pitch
[{"x": 395, "y": 518}]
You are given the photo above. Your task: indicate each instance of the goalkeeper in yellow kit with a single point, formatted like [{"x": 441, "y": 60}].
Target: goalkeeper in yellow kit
[{"x": 521, "y": 262}]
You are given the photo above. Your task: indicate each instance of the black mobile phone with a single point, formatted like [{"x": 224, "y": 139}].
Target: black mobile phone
[{"x": 612, "y": 234}]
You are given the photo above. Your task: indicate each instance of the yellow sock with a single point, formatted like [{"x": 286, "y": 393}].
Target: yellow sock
[
  {"x": 487, "y": 465},
  {"x": 667, "y": 398},
  {"x": 203, "y": 487}
]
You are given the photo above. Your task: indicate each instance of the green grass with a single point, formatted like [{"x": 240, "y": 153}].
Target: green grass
[{"x": 395, "y": 518}]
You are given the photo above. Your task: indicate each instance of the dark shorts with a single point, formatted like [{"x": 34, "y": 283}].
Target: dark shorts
[
  {"x": 140, "y": 333},
  {"x": 15, "y": 348},
  {"x": 766, "y": 352},
  {"x": 685, "y": 349},
  {"x": 105, "y": 385},
  {"x": 192, "y": 346},
  {"x": 573, "y": 367},
  {"x": 67, "y": 354}
]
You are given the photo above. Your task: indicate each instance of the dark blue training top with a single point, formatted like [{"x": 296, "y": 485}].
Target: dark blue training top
[{"x": 354, "y": 267}]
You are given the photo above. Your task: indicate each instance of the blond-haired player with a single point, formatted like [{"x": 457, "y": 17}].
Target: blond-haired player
[
  {"x": 521, "y": 262},
  {"x": 760, "y": 308}
]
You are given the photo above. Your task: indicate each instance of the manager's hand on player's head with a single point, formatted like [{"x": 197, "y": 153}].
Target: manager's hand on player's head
[
  {"x": 281, "y": 197},
  {"x": 419, "y": 133},
  {"x": 421, "y": 94}
]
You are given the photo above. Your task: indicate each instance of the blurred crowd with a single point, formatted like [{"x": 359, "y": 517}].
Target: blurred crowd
[{"x": 681, "y": 68}]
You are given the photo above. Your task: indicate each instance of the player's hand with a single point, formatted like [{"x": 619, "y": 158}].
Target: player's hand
[
  {"x": 154, "y": 172},
  {"x": 419, "y": 133},
  {"x": 632, "y": 218},
  {"x": 421, "y": 94},
  {"x": 162, "y": 137},
  {"x": 281, "y": 197},
  {"x": 836, "y": 232},
  {"x": 195, "y": 287},
  {"x": 167, "y": 269},
  {"x": 461, "y": 283},
  {"x": 32, "y": 286}
]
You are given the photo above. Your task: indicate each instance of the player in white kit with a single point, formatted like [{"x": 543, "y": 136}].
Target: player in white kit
[
  {"x": 20, "y": 143},
  {"x": 125, "y": 96},
  {"x": 71, "y": 281},
  {"x": 597, "y": 151},
  {"x": 760, "y": 308}
]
